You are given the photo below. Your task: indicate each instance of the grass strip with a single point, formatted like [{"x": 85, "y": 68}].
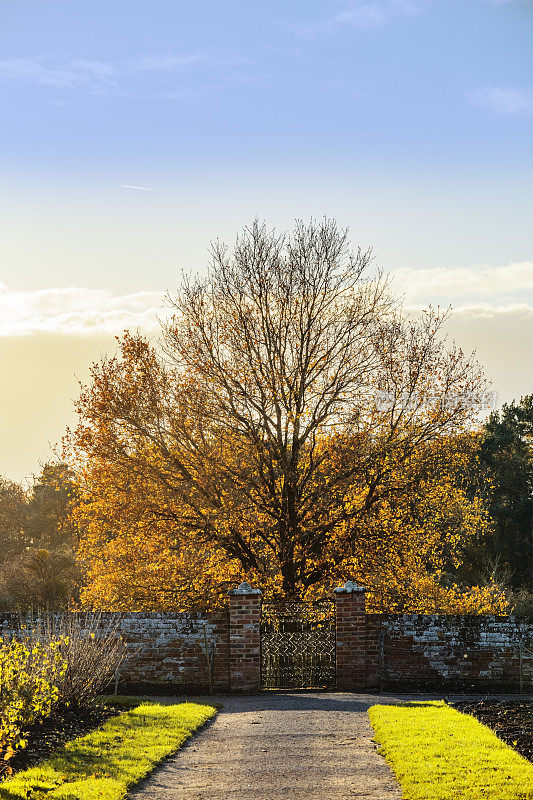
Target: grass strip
[
  {"x": 437, "y": 753},
  {"x": 107, "y": 762}
]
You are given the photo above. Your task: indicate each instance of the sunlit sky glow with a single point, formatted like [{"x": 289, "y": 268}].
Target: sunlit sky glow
[{"x": 134, "y": 133}]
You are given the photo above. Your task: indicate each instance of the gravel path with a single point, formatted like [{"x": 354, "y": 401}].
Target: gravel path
[{"x": 286, "y": 745}]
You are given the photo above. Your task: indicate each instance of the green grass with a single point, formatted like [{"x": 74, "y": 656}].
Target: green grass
[
  {"x": 437, "y": 753},
  {"x": 105, "y": 763}
]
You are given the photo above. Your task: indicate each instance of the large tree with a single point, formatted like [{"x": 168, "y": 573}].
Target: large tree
[
  {"x": 284, "y": 379},
  {"x": 139, "y": 556}
]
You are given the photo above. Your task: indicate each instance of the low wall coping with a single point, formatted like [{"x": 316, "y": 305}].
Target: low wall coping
[
  {"x": 244, "y": 589},
  {"x": 350, "y": 587}
]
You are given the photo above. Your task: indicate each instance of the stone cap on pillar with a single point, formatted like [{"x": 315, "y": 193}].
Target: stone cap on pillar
[
  {"x": 244, "y": 589},
  {"x": 350, "y": 587}
]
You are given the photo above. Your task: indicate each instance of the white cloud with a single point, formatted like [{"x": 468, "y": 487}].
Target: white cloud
[
  {"x": 482, "y": 291},
  {"x": 501, "y": 338},
  {"x": 512, "y": 311},
  {"x": 363, "y": 14},
  {"x": 377, "y": 13},
  {"x": 103, "y": 76},
  {"x": 501, "y": 100},
  {"x": 76, "y": 311},
  {"x": 497, "y": 285},
  {"x": 372, "y": 14},
  {"x": 74, "y": 74},
  {"x": 169, "y": 61},
  {"x": 492, "y": 314}
]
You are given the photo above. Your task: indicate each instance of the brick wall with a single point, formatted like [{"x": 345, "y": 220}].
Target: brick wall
[
  {"x": 177, "y": 651},
  {"x": 166, "y": 651},
  {"x": 169, "y": 651},
  {"x": 464, "y": 652},
  {"x": 182, "y": 652},
  {"x": 425, "y": 651}
]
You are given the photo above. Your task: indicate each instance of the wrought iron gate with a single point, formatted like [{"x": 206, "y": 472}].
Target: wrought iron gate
[{"x": 298, "y": 645}]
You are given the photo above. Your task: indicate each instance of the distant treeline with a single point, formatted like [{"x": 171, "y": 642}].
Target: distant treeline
[{"x": 38, "y": 565}]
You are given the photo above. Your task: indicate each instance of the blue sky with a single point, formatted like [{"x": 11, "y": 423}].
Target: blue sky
[
  {"x": 180, "y": 86},
  {"x": 411, "y": 121},
  {"x": 410, "y": 112}
]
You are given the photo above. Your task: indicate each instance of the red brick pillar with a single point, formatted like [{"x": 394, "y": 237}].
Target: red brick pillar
[
  {"x": 244, "y": 639},
  {"x": 350, "y": 636}
]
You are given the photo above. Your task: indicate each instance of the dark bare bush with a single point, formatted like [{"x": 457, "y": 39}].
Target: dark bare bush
[
  {"x": 92, "y": 648},
  {"x": 521, "y": 603}
]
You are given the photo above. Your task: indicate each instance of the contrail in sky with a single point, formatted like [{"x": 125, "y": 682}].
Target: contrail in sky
[{"x": 142, "y": 188}]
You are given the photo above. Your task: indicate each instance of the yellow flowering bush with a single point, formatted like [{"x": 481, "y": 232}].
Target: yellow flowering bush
[{"x": 29, "y": 673}]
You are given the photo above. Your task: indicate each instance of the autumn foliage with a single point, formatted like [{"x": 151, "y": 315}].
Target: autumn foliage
[{"x": 293, "y": 428}]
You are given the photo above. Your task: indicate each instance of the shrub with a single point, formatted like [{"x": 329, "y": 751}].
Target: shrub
[
  {"x": 521, "y": 603},
  {"x": 92, "y": 649},
  {"x": 29, "y": 675}
]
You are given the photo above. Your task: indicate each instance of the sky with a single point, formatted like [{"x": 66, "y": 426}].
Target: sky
[{"x": 132, "y": 134}]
